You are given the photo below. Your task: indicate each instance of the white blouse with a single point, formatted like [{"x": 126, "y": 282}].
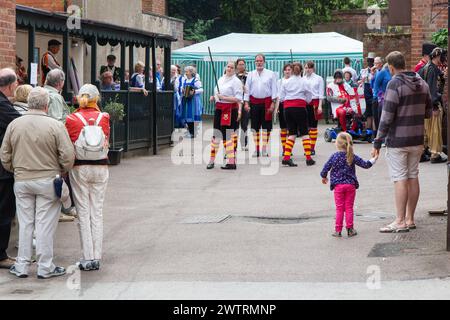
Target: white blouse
[
  {"x": 261, "y": 85},
  {"x": 229, "y": 87},
  {"x": 317, "y": 86},
  {"x": 295, "y": 88},
  {"x": 279, "y": 84}
]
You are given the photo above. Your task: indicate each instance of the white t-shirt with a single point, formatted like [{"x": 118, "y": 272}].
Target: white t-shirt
[{"x": 317, "y": 86}]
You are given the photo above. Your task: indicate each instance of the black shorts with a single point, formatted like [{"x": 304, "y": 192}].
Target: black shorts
[
  {"x": 312, "y": 122},
  {"x": 281, "y": 116},
  {"x": 258, "y": 118},
  {"x": 297, "y": 121},
  {"x": 224, "y": 129}
]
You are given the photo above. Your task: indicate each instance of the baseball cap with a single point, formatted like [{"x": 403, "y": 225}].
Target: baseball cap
[{"x": 62, "y": 192}]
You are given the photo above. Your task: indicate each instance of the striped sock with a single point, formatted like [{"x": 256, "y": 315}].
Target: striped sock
[
  {"x": 256, "y": 139},
  {"x": 288, "y": 150},
  {"x": 283, "y": 135},
  {"x": 266, "y": 138},
  {"x": 307, "y": 148},
  {"x": 313, "y": 136},
  {"x": 230, "y": 152},
  {"x": 235, "y": 141},
  {"x": 214, "y": 149}
]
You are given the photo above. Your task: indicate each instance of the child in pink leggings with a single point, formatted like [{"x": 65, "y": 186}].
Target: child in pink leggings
[{"x": 343, "y": 181}]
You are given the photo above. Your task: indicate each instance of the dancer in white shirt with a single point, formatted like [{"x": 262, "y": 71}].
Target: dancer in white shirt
[
  {"x": 295, "y": 92},
  {"x": 315, "y": 102},
  {"x": 287, "y": 71},
  {"x": 260, "y": 97},
  {"x": 226, "y": 116}
]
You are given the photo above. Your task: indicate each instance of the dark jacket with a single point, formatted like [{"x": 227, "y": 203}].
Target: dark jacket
[
  {"x": 431, "y": 73},
  {"x": 406, "y": 105},
  {"x": 7, "y": 115}
]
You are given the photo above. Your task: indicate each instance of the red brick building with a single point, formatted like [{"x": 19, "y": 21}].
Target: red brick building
[{"x": 7, "y": 33}]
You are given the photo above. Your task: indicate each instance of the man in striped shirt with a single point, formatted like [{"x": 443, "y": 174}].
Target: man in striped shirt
[{"x": 407, "y": 104}]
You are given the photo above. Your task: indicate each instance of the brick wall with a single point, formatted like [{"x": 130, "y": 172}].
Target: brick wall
[
  {"x": 422, "y": 27},
  {"x": 50, "y": 5},
  {"x": 352, "y": 23},
  {"x": 384, "y": 43},
  {"x": 155, "y": 6},
  {"x": 7, "y": 33}
]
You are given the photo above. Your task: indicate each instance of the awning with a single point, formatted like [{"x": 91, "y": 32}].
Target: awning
[{"x": 46, "y": 21}]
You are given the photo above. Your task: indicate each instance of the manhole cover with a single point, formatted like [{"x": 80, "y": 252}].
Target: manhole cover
[
  {"x": 22, "y": 291},
  {"x": 390, "y": 249},
  {"x": 206, "y": 219}
]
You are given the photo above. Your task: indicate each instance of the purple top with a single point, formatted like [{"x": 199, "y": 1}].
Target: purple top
[{"x": 341, "y": 172}]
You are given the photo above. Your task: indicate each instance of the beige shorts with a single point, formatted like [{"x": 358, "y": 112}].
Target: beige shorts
[{"x": 403, "y": 163}]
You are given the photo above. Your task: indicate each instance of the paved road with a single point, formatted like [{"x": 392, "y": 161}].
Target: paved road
[{"x": 275, "y": 240}]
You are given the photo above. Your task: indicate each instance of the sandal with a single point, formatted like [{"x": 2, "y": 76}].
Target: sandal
[
  {"x": 411, "y": 226},
  {"x": 393, "y": 228}
]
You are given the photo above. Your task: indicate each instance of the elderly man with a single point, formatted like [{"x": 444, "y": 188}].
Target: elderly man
[
  {"x": 107, "y": 83},
  {"x": 8, "y": 84},
  {"x": 58, "y": 110},
  {"x": 37, "y": 148}
]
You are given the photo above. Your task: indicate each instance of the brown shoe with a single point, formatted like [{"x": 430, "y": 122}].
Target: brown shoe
[{"x": 7, "y": 263}]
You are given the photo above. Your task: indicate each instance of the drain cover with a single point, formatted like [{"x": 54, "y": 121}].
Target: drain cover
[
  {"x": 390, "y": 249},
  {"x": 206, "y": 219}
]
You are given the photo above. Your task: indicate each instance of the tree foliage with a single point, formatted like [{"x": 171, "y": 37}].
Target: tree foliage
[{"x": 208, "y": 19}]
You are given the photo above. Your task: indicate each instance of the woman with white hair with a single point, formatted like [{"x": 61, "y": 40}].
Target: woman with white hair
[
  {"x": 89, "y": 176},
  {"x": 191, "y": 90}
]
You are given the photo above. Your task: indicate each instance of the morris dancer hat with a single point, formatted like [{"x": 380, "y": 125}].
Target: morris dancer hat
[
  {"x": 427, "y": 48},
  {"x": 371, "y": 55}
]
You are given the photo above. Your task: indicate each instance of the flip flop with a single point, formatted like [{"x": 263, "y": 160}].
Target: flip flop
[{"x": 393, "y": 228}]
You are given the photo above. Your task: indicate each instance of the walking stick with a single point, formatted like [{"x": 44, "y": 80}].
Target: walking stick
[{"x": 214, "y": 70}]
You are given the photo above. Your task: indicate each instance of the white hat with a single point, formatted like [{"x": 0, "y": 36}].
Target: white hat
[
  {"x": 372, "y": 55},
  {"x": 90, "y": 90}
]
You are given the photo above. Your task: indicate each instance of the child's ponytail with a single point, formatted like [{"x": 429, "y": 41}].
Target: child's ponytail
[
  {"x": 350, "y": 154},
  {"x": 345, "y": 143}
]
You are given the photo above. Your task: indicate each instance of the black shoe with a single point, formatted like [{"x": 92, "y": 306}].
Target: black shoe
[
  {"x": 337, "y": 234},
  {"x": 424, "y": 157},
  {"x": 438, "y": 159},
  {"x": 229, "y": 167},
  {"x": 310, "y": 162},
  {"x": 351, "y": 232},
  {"x": 96, "y": 265},
  {"x": 289, "y": 163},
  {"x": 210, "y": 166},
  {"x": 427, "y": 152},
  {"x": 88, "y": 266}
]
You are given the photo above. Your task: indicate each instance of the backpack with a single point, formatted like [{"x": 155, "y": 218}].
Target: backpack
[{"x": 91, "y": 143}]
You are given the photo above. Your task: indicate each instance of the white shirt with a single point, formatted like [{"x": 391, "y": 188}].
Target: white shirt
[
  {"x": 366, "y": 75},
  {"x": 317, "y": 86},
  {"x": 279, "y": 84},
  {"x": 352, "y": 71},
  {"x": 261, "y": 85},
  {"x": 229, "y": 87},
  {"x": 295, "y": 88}
]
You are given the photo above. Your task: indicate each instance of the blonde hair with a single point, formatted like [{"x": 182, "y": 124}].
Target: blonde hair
[
  {"x": 139, "y": 65},
  {"x": 22, "y": 92},
  {"x": 344, "y": 142},
  {"x": 88, "y": 95}
]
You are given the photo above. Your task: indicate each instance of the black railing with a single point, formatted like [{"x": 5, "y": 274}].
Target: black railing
[{"x": 135, "y": 131}]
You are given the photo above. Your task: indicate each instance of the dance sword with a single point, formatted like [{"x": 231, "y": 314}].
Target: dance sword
[{"x": 214, "y": 70}]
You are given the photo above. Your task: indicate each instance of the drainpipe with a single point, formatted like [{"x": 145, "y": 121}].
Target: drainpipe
[{"x": 448, "y": 139}]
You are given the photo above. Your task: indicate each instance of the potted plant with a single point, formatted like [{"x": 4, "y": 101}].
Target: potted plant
[{"x": 116, "y": 113}]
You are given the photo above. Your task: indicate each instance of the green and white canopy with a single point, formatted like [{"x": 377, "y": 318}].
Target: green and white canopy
[{"x": 327, "y": 50}]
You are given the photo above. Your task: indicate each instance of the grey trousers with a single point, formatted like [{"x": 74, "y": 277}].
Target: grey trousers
[{"x": 38, "y": 210}]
